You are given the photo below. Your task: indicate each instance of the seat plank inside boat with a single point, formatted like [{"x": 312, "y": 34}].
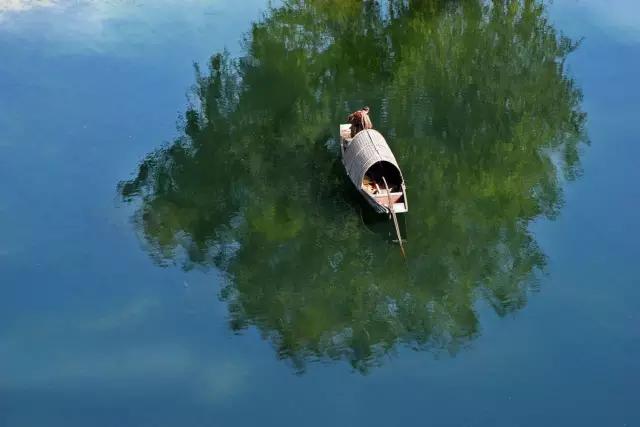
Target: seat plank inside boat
[{"x": 383, "y": 198}]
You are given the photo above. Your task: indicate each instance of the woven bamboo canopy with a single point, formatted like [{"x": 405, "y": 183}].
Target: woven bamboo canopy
[{"x": 366, "y": 149}]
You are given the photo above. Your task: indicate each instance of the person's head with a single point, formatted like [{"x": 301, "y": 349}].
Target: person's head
[{"x": 366, "y": 109}]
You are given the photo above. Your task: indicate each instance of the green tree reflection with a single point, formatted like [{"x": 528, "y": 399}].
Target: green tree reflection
[{"x": 477, "y": 106}]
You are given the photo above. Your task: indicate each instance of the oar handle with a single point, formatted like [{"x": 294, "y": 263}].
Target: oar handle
[{"x": 393, "y": 215}]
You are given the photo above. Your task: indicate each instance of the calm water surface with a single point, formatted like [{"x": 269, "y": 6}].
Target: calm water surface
[{"x": 179, "y": 244}]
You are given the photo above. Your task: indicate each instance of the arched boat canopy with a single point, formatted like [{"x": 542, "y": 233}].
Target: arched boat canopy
[{"x": 366, "y": 149}]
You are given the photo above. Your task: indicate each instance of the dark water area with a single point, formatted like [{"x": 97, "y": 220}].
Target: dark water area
[{"x": 180, "y": 245}]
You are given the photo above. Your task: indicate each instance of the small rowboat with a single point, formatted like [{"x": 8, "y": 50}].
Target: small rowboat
[{"x": 373, "y": 169}]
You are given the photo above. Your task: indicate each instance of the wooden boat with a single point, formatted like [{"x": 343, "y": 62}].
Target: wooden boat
[{"x": 373, "y": 169}]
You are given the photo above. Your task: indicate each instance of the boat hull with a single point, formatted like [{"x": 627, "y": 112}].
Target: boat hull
[{"x": 364, "y": 153}]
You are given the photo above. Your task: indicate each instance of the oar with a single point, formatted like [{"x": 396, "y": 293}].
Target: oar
[{"x": 393, "y": 215}]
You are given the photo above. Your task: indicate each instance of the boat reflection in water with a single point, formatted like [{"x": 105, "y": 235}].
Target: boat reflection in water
[{"x": 479, "y": 112}]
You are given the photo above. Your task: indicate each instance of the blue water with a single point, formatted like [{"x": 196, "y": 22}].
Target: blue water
[{"x": 95, "y": 331}]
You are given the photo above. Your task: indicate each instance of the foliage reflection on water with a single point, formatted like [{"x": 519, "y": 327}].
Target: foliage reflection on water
[{"x": 476, "y": 104}]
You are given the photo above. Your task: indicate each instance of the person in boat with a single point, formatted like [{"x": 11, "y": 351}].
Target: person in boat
[{"x": 359, "y": 120}]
